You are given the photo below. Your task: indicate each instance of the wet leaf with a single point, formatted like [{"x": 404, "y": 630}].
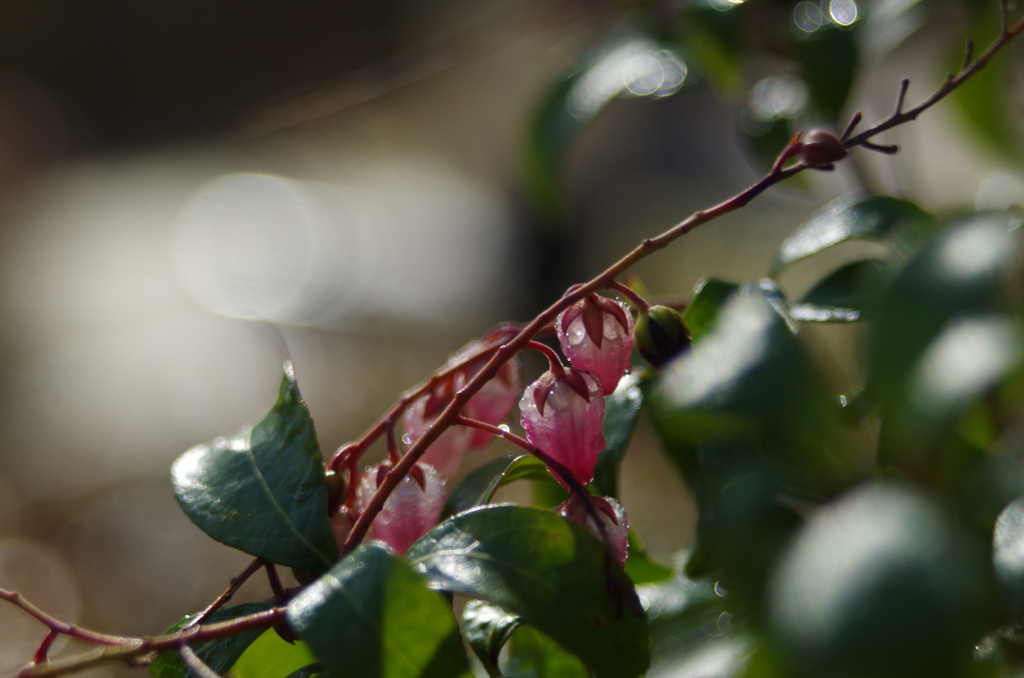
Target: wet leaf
[
  {"x": 709, "y": 297},
  {"x": 487, "y": 628},
  {"x": 547, "y": 570},
  {"x": 263, "y": 491},
  {"x": 478, "y": 487},
  {"x": 372, "y": 616},
  {"x": 843, "y": 295},
  {"x": 621, "y": 410},
  {"x": 897, "y": 223}
]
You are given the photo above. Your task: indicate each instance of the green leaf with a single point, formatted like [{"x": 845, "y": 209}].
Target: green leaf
[
  {"x": 829, "y": 60},
  {"x": 879, "y": 584},
  {"x": 219, "y": 655},
  {"x": 621, "y": 410},
  {"x": 959, "y": 272},
  {"x": 310, "y": 671},
  {"x": 372, "y": 616},
  {"x": 843, "y": 295},
  {"x": 263, "y": 491},
  {"x": 1007, "y": 547},
  {"x": 487, "y": 628},
  {"x": 748, "y": 374},
  {"x": 713, "y": 36},
  {"x": 898, "y": 223},
  {"x": 272, "y": 657},
  {"x": 640, "y": 567},
  {"x": 547, "y": 570},
  {"x": 533, "y": 654},
  {"x": 709, "y": 297},
  {"x": 478, "y": 487}
]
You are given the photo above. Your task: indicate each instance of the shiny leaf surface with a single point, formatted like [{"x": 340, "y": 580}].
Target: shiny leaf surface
[
  {"x": 478, "y": 487},
  {"x": 709, "y": 297},
  {"x": 272, "y": 657},
  {"x": 372, "y": 616},
  {"x": 487, "y": 628},
  {"x": 899, "y": 224},
  {"x": 263, "y": 491},
  {"x": 843, "y": 295},
  {"x": 551, "y": 572}
]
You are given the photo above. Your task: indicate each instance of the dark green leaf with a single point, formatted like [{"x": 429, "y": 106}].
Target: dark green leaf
[
  {"x": 880, "y": 584},
  {"x": 533, "y": 654},
  {"x": 621, "y": 410},
  {"x": 371, "y": 616},
  {"x": 263, "y": 491},
  {"x": 959, "y": 272},
  {"x": 487, "y": 628},
  {"x": 748, "y": 374},
  {"x": 219, "y": 655},
  {"x": 714, "y": 37},
  {"x": 479, "y": 486},
  {"x": 640, "y": 567},
  {"x": 842, "y": 295},
  {"x": 709, "y": 297},
  {"x": 272, "y": 657},
  {"x": 310, "y": 671},
  {"x": 551, "y": 572},
  {"x": 1007, "y": 551},
  {"x": 829, "y": 60},
  {"x": 900, "y": 224}
]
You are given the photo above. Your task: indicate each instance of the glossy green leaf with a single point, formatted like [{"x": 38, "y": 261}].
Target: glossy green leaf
[
  {"x": 640, "y": 567},
  {"x": 959, "y": 272},
  {"x": 898, "y": 223},
  {"x": 263, "y": 491},
  {"x": 709, "y": 297},
  {"x": 621, "y": 410},
  {"x": 487, "y": 628},
  {"x": 272, "y": 657},
  {"x": 372, "y": 616},
  {"x": 551, "y": 572},
  {"x": 478, "y": 487},
  {"x": 219, "y": 655},
  {"x": 880, "y": 584},
  {"x": 1008, "y": 557},
  {"x": 843, "y": 295},
  {"x": 533, "y": 654},
  {"x": 747, "y": 374},
  {"x": 828, "y": 57}
]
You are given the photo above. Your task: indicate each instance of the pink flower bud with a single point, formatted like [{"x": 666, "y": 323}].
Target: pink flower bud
[
  {"x": 494, "y": 401},
  {"x": 562, "y": 415},
  {"x": 613, "y": 517},
  {"x": 445, "y": 453},
  {"x": 596, "y": 334},
  {"x": 412, "y": 509}
]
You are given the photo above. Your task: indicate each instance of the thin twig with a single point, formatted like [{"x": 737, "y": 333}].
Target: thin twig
[
  {"x": 275, "y": 583},
  {"x": 195, "y": 664},
  {"x": 228, "y": 593},
  {"x": 904, "y": 85},
  {"x": 62, "y": 627},
  {"x": 134, "y": 647},
  {"x": 44, "y": 647},
  {"x": 968, "y": 54},
  {"x": 850, "y": 126},
  {"x": 951, "y": 83}
]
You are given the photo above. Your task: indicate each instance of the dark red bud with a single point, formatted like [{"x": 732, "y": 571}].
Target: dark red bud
[{"x": 820, "y": 149}]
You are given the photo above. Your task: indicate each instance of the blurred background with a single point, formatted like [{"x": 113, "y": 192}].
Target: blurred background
[{"x": 192, "y": 192}]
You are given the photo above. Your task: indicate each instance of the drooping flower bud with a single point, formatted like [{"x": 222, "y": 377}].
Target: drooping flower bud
[
  {"x": 411, "y": 510},
  {"x": 820, "y": 149},
  {"x": 596, "y": 334},
  {"x": 494, "y": 401},
  {"x": 445, "y": 453},
  {"x": 562, "y": 415},
  {"x": 660, "y": 335},
  {"x": 613, "y": 518}
]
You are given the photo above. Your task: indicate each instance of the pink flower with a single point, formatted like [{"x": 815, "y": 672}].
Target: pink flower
[
  {"x": 494, "y": 401},
  {"x": 412, "y": 509},
  {"x": 613, "y": 517},
  {"x": 562, "y": 415},
  {"x": 445, "y": 453},
  {"x": 596, "y": 334}
]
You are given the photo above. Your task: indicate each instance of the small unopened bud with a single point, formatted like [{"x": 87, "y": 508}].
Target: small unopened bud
[
  {"x": 660, "y": 335},
  {"x": 820, "y": 149}
]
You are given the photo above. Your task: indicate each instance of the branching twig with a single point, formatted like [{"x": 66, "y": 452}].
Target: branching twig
[
  {"x": 228, "y": 593},
  {"x": 195, "y": 664}
]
